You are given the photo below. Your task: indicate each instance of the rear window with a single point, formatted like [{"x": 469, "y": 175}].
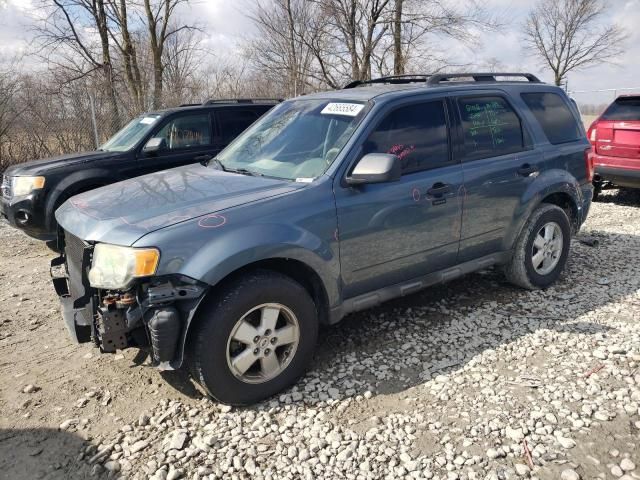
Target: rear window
[
  {"x": 554, "y": 116},
  {"x": 491, "y": 127},
  {"x": 623, "y": 109}
]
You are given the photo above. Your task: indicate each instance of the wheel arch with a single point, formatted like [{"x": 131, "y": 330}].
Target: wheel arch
[
  {"x": 75, "y": 184},
  {"x": 295, "y": 269},
  {"x": 556, "y": 187}
]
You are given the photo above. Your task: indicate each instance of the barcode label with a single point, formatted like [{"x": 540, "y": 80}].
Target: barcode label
[{"x": 347, "y": 109}]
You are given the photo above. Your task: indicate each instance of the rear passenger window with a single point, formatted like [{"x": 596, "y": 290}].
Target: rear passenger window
[
  {"x": 232, "y": 122},
  {"x": 490, "y": 126},
  {"x": 417, "y": 134},
  {"x": 554, "y": 116}
]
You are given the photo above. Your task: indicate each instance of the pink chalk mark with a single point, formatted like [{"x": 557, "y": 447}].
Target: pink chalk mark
[{"x": 212, "y": 221}]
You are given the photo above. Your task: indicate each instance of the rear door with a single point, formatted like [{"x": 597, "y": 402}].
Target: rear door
[
  {"x": 498, "y": 164},
  {"x": 392, "y": 232},
  {"x": 618, "y": 132}
]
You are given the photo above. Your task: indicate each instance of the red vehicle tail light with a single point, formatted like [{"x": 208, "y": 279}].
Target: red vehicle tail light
[
  {"x": 588, "y": 160},
  {"x": 593, "y": 133}
]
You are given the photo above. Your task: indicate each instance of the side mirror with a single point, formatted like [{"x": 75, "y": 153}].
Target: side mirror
[
  {"x": 154, "y": 144},
  {"x": 376, "y": 168}
]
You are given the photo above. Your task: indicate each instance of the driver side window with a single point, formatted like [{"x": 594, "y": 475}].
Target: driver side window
[
  {"x": 417, "y": 134},
  {"x": 185, "y": 132}
]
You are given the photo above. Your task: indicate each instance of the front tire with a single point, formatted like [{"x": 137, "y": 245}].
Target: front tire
[
  {"x": 542, "y": 249},
  {"x": 254, "y": 338}
]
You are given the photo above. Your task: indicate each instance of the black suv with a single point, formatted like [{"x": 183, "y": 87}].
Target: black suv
[{"x": 32, "y": 191}]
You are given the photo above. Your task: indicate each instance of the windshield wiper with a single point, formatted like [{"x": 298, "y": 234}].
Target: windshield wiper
[{"x": 244, "y": 171}]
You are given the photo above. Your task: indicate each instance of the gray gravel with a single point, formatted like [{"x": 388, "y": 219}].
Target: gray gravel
[{"x": 472, "y": 380}]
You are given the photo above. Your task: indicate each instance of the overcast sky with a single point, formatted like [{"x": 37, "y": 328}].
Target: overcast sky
[{"x": 226, "y": 25}]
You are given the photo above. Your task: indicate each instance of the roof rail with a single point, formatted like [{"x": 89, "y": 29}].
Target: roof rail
[
  {"x": 190, "y": 105},
  {"x": 478, "y": 77},
  {"x": 406, "y": 78},
  {"x": 242, "y": 100}
]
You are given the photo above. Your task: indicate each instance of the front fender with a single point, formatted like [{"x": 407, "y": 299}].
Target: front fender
[
  {"x": 226, "y": 253},
  {"x": 73, "y": 184},
  {"x": 547, "y": 183},
  {"x": 253, "y": 243}
]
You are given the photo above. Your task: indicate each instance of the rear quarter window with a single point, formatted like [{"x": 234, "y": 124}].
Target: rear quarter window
[
  {"x": 554, "y": 116},
  {"x": 623, "y": 109}
]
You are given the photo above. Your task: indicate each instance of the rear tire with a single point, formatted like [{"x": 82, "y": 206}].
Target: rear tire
[
  {"x": 542, "y": 249},
  {"x": 254, "y": 338}
]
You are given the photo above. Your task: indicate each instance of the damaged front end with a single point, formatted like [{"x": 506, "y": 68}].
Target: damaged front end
[{"x": 152, "y": 313}]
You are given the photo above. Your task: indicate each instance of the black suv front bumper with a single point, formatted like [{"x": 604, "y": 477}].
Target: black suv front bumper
[{"x": 27, "y": 213}]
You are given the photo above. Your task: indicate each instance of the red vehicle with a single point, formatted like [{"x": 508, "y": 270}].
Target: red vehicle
[{"x": 615, "y": 137}]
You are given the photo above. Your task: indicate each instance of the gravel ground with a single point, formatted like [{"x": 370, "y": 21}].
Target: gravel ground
[{"x": 472, "y": 380}]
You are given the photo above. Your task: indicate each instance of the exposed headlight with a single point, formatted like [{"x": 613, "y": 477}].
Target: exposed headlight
[
  {"x": 25, "y": 185},
  {"x": 114, "y": 267}
]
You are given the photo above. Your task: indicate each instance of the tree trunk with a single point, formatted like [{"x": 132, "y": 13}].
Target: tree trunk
[
  {"x": 107, "y": 66},
  {"x": 398, "y": 56},
  {"x": 132, "y": 71}
]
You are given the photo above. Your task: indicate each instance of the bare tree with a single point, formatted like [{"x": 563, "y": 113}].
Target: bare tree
[
  {"x": 417, "y": 24},
  {"x": 280, "y": 47},
  {"x": 182, "y": 57},
  {"x": 159, "y": 16},
  {"x": 354, "y": 29},
  {"x": 66, "y": 37},
  {"x": 568, "y": 35},
  {"x": 127, "y": 47}
]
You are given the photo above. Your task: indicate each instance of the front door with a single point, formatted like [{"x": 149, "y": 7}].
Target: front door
[
  {"x": 391, "y": 232},
  {"x": 186, "y": 139}
]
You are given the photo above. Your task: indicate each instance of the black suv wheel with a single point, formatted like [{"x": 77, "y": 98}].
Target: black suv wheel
[
  {"x": 541, "y": 250},
  {"x": 254, "y": 338}
]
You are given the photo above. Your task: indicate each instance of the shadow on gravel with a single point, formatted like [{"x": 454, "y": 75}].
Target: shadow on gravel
[
  {"x": 42, "y": 453},
  {"x": 628, "y": 197},
  {"x": 181, "y": 381},
  {"x": 441, "y": 319}
]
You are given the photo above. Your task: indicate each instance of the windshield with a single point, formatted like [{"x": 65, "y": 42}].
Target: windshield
[
  {"x": 131, "y": 134},
  {"x": 298, "y": 139}
]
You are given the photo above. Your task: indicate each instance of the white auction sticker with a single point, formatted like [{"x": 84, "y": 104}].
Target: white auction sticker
[
  {"x": 348, "y": 109},
  {"x": 148, "y": 120}
]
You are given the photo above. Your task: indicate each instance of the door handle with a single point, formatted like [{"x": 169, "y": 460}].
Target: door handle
[
  {"x": 439, "y": 189},
  {"x": 526, "y": 170},
  {"x": 203, "y": 158}
]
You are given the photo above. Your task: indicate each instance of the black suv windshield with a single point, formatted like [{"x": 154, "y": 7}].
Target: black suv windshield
[
  {"x": 623, "y": 109},
  {"x": 131, "y": 134},
  {"x": 298, "y": 139}
]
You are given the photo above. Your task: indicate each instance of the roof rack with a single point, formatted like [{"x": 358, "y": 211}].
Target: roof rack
[
  {"x": 478, "y": 77},
  {"x": 242, "y": 100},
  {"x": 190, "y": 105},
  {"x": 406, "y": 78},
  {"x": 437, "y": 78}
]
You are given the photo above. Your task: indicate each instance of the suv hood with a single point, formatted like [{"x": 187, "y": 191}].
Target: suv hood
[
  {"x": 46, "y": 165},
  {"x": 124, "y": 212}
]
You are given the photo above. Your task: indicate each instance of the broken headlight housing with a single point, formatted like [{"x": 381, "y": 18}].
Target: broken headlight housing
[{"x": 114, "y": 267}]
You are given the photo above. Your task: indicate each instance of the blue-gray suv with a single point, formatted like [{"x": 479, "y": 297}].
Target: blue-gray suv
[{"x": 331, "y": 203}]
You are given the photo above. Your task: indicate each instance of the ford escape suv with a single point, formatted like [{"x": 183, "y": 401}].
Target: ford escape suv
[
  {"x": 615, "y": 137},
  {"x": 329, "y": 204},
  {"x": 32, "y": 191}
]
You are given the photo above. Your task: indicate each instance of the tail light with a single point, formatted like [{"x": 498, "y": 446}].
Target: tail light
[
  {"x": 593, "y": 133},
  {"x": 588, "y": 160}
]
